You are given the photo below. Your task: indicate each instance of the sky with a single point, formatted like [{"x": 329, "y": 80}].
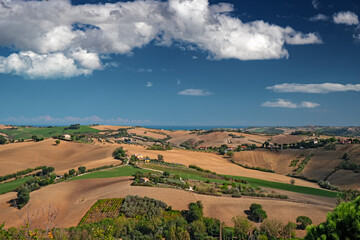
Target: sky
[{"x": 180, "y": 62}]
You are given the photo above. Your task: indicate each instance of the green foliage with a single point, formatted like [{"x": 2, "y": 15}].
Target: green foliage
[
  {"x": 57, "y": 141},
  {"x": 20, "y": 173},
  {"x": 342, "y": 223},
  {"x": 2, "y": 139},
  {"x": 330, "y": 147},
  {"x": 72, "y": 172},
  {"x": 45, "y": 132},
  {"x": 303, "y": 222},
  {"x": 160, "y": 158},
  {"x": 23, "y": 197},
  {"x": 12, "y": 185},
  {"x": 114, "y": 172},
  {"x": 195, "y": 212},
  {"x": 327, "y": 185},
  {"x": 256, "y": 213},
  {"x": 81, "y": 169},
  {"x": 348, "y": 195},
  {"x": 303, "y": 164},
  {"x": 102, "y": 209},
  {"x": 243, "y": 227},
  {"x": 119, "y": 153},
  {"x": 146, "y": 207}
]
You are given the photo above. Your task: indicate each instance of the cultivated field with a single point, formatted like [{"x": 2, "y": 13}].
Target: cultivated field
[
  {"x": 213, "y": 162},
  {"x": 73, "y": 199},
  {"x": 67, "y": 155}
]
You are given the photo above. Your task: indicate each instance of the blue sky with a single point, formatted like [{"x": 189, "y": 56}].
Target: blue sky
[{"x": 235, "y": 63}]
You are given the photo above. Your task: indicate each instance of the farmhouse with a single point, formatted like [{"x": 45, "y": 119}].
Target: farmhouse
[
  {"x": 67, "y": 137},
  {"x": 144, "y": 180}
]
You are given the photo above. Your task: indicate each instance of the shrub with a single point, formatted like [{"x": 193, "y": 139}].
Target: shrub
[
  {"x": 342, "y": 223},
  {"x": 82, "y": 169},
  {"x": 23, "y": 197},
  {"x": 257, "y": 214},
  {"x": 119, "y": 153},
  {"x": 303, "y": 222},
  {"x": 2, "y": 139}
]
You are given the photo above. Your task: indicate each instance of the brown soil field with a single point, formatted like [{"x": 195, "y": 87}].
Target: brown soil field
[
  {"x": 146, "y": 132},
  {"x": 213, "y": 162},
  {"x": 320, "y": 165},
  {"x": 73, "y": 199},
  {"x": 67, "y": 155},
  {"x": 108, "y": 127},
  {"x": 345, "y": 179}
]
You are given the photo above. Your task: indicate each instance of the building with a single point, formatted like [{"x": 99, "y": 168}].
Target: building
[
  {"x": 144, "y": 180},
  {"x": 67, "y": 137}
]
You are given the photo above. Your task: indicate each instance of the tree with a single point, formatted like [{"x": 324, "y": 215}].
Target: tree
[
  {"x": 303, "y": 222},
  {"x": 2, "y": 139},
  {"x": 346, "y": 157},
  {"x": 57, "y": 142},
  {"x": 81, "y": 169},
  {"x": 257, "y": 214},
  {"x": 230, "y": 153},
  {"x": 342, "y": 223},
  {"x": 242, "y": 226},
  {"x": 34, "y": 137},
  {"x": 160, "y": 158},
  {"x": 119, "y": 153},
  {"x": 23, "y": 197},
  {"x": 292, "y": 181},
  {"x": 195, "y": 211},
  {"x": 71, "y": 172},
  {"x": 197, "y": 230}
]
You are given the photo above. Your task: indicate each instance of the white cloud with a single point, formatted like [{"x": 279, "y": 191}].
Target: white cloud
[
  {"x": 348, "y": 18},
  {"x": 69, "y": 120},
  {"x": 319, "y": 17},
  {"x": 314, "y": 88},
  {"x": 315, "y": 4},
  {"x": 149, "y": 84},
  {"x": 195, "y": 92},
  {"x": 49, "y": 65},
  {"x": 281, "y": 103},
  {"x": 77, "y": 35},
  {"x": 178, "y": 82},
  {"x": 144, "y": 70}
]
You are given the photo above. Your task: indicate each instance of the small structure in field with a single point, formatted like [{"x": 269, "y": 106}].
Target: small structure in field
[
  {"x": 67, "y": 137},
  {"x": 144, "y": 180}
]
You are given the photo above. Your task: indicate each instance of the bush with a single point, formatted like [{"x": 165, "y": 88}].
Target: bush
[
  {"x": 82, "y": 169},
  {"x": 257, "y": 214},
  {"x": 119, "y": 153},
  {"x": 23, "y": 197},
  {"x": 2, "y": 139},
  {"x": 343, "y": 223},
  {"x": 303, "y": 222}
]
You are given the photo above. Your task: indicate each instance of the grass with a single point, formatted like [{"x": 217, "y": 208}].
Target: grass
[
  {"x": 10, "y": 186},
  {"x": 114, "y": 172},
  {"x": 288, "y": 187},
  {"x": 202, "y": 176},
  {"x": 27, "y": 132}
]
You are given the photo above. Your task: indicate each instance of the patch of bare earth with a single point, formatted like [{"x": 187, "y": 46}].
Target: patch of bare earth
[
  {"x": 65, "y": 156},
  {"x": 72, "y": 200},
  {"x": 213, "y": 162}
]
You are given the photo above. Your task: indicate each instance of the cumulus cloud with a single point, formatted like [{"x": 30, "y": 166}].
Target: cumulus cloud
[
  {"x": 314, "y": 88},
  {"x": 281, "y": 103},
  {"x": 319, "y": 17},
  {"x": 76, "y": 36},
  {"x": 348, "y": 18},
  {"x": 195, "y": 92},
  {"x": 49, "y": 120},
  {"x": 149, "y": 84}
]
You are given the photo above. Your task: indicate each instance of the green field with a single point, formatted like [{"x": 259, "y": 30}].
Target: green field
[
  {"x": 27, "y": 132},
  {"x": 202, "y": 176},
  {"x": 9, "y": 186},
  {"x": 187, "y": 173},
  {"x": 288, "y": 187},
  {"x": 114, "y": 172}
]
